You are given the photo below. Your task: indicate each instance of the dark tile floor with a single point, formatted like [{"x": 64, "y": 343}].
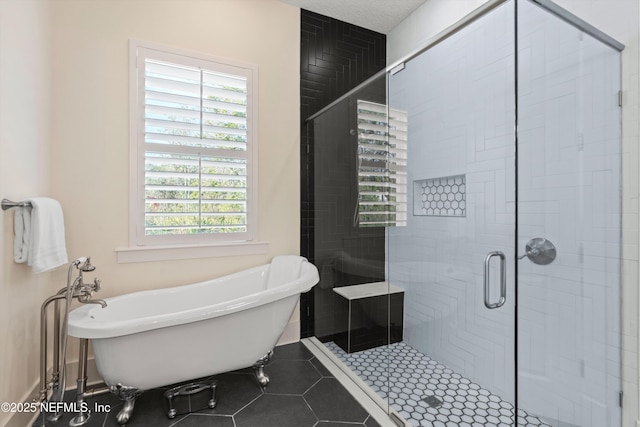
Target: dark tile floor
[{"x": 301, "y": 393}]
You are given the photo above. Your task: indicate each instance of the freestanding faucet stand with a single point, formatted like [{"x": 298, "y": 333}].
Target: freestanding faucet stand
[{"x": 81, "y": 291}]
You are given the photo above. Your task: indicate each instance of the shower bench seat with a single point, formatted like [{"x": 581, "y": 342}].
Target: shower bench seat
[{"x": 362, "y": 312}]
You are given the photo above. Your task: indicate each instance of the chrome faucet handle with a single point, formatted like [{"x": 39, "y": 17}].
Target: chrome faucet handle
[
  {"x": 540, "y": 251},
  {"x": 87, "y": 292},
  {"x": 531, "y": 253},
  {"x": 97, "y": 284}
]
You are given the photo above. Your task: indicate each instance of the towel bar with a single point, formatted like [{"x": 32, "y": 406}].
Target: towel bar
[{"x": 8, "y": 204}]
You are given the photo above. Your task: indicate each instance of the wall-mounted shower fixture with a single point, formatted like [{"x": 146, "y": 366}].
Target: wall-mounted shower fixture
[
  {"x": 540, "y": 251},
  {"x": 83, "y": 292}
]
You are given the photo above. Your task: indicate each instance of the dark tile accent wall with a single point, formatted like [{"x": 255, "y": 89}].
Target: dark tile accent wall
[{"x": 335, "y": 57}]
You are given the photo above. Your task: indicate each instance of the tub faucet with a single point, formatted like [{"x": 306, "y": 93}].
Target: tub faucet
[
  {"x": 87, "y": 290},
  {"x": 86, "y": 300}
]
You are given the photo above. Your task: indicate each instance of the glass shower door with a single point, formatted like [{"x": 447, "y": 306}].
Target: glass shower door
[
  {"x": 569, "y": 222},
  {"x": 455, "y": 258}
]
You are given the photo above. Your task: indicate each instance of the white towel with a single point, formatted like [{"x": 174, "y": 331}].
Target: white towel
[
  {"x": 22, "y": 229},
  {"x": 42, "y": 238},
  {"x": 284, "y": 269}
]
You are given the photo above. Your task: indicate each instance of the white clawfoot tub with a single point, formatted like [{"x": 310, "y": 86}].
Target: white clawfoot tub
[{"x": 148, "y": 339}]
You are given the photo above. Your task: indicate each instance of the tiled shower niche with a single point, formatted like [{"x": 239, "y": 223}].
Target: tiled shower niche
[{"x": 443, "y": 196}]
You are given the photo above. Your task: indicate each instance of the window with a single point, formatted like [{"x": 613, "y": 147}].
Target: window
[
  {"x": 382, "y": 165},
  {"x": 193, "y": 131}
]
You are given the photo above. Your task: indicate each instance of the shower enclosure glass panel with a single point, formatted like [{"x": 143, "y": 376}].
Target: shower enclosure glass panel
[
  {"x": 569, "y": 192},
  {"x": 456, "y": 363},
  {"x": 350, "y": 302}
]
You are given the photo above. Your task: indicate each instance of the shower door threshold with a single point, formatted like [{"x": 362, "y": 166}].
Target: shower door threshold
[{"x": 369, "y": 399}]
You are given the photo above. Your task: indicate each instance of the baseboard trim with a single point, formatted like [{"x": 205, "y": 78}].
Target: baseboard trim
[
  {"x": 290, "y": 334},
  {"x": 22, "y": 419}
]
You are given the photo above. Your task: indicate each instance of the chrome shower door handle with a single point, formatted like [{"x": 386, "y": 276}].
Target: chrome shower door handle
[{"x": 487, "y": 279}]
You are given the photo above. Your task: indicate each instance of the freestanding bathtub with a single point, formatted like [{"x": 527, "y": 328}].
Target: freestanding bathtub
[{"x": 154, "y": 338}]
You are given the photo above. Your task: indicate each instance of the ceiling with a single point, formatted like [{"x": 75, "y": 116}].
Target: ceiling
[{"x": 377, "y": 15}]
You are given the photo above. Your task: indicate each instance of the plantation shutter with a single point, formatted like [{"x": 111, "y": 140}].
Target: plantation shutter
[
  {"x": 382, "y": 165},
  {"x": 196, "y": 127}
]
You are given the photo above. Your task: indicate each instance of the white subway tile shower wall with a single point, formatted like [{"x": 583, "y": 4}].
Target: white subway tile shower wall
[
  {"x": 570, "y": 193},
  {"x": 460, "y": 98}
]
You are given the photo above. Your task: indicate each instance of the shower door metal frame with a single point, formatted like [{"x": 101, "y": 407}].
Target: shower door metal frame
[{"x": 580, "y": 24}]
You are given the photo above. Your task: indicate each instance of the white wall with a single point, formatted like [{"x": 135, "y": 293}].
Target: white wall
[
  {"x": 91, "y": 122},
  {"x": 25, "y": 137},
  {"x": 620, "y": 19},
  {"x": 64, "y": 133},
  {"x": 424, "y": 23},
  {"x": 90, "y": 153}
]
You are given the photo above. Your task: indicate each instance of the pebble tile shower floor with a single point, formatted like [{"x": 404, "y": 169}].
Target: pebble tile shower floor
[
  {"x": 301, "y": 393},
  {"x": 427, "y": 393}
]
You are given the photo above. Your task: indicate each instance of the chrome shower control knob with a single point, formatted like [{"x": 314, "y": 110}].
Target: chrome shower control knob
[{"x": 540, "y": 251}]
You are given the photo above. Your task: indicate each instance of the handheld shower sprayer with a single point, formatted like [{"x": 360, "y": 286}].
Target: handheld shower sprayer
[{"x": 84, "y": 264}]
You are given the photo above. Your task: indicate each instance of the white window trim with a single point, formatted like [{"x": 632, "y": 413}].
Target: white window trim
[
  {"x": 140, "y": 250},
  {"x": 165, "y": 253}
]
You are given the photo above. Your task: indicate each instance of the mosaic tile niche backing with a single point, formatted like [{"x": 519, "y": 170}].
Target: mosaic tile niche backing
[{"x": 444, "y": 196}]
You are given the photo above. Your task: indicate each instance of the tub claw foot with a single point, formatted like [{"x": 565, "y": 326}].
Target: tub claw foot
[
  {"x": 263, "y": 379},
  {"x": 258, "y": 368},
  {"x": 125, "y": 414},
  {"x": 188, "y": 389},
  {"x": 129, "y": 395}
]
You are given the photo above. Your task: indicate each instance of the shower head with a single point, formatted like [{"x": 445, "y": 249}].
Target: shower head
[
  {"x": 87, "y": 266},
  {"x": 84, "y": 264}
]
